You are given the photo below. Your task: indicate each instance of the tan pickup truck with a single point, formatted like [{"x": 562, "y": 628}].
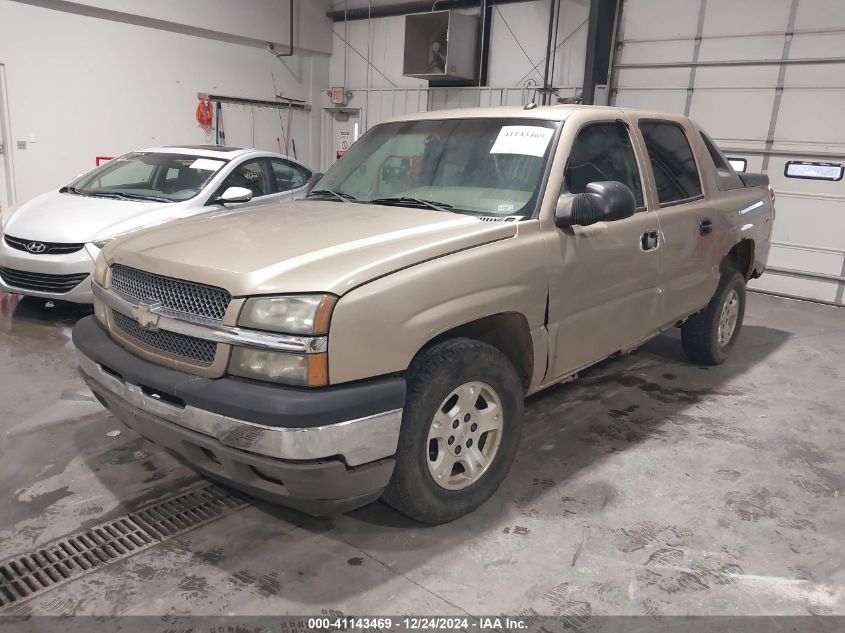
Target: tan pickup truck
[{"x": 379, "y": 337}]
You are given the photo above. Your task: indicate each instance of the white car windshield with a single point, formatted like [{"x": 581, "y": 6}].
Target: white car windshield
[
  {"x": 485, "y": 166},
  {"x": 152, "y": 176}
]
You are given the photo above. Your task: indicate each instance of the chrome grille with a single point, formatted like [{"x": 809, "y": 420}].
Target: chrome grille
[
  {"x": 184, "y": 296},
  {"x": 37, "y": 247},
  {"x": 195, "y": 349}
]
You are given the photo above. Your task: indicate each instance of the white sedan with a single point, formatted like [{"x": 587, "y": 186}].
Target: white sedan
[{"x": 50, "y": 243}]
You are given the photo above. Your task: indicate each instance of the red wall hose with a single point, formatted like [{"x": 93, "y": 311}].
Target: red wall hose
[{"x": 204, "y": 115}]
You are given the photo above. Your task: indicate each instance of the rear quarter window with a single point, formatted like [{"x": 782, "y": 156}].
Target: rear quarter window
[{"x": 726, "y": 176}]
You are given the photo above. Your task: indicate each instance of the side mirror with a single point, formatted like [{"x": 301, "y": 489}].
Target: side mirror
[
  {"x": 601, "y": 202},
  {"x": 233, "y": 195}
]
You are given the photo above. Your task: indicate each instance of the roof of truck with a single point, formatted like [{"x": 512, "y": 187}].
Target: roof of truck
[{"x": 548, "y": 113}]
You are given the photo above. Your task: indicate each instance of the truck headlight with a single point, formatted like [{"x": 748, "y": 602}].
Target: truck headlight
[
  {"x": 100, "y": 269},
  {"x": 290, "y": 314},
  {"x": 307, "y": 370}
]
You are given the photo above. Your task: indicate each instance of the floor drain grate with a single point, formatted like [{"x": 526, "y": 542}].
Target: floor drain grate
[{"x": 25, "y": 576}]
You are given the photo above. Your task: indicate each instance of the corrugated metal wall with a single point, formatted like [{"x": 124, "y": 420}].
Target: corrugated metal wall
[{"x": 766, "y": 78}]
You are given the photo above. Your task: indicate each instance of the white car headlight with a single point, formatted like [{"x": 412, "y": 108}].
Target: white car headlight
[
  {"x": 5, "y": 214},
  {"x": 307, "y": 370},
  {"x": 292, "y": 314}
]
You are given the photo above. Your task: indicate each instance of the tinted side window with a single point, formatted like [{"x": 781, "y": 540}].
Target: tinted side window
[
  {"x": 252, "y": 175},
  {"x": 675, "y": 172},
  {"x": 718, "y": 161},
  {"x": 288, "y": 175},
  {"x": 603, "y": 151}
]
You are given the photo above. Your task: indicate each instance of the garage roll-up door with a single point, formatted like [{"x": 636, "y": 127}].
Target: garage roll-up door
[{"x": 766, "y": 79}]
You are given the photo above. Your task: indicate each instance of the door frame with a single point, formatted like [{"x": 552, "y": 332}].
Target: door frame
[
  {"x": 558, "y": 242},
  {"x": 6, "y": 135}
]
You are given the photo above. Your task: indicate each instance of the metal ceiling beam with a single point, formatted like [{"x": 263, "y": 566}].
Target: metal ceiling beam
[
  {"x": 406, "y": 8},
  {"x": 599, "y": 45}
]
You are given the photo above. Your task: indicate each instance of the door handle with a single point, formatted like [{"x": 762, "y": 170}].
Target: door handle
[
  {"x": 705, "y": 227},
  {"x": 649, "y": 240}
]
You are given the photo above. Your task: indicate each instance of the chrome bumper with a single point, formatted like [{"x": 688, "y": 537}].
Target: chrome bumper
[{"x": 358, "y": 441}]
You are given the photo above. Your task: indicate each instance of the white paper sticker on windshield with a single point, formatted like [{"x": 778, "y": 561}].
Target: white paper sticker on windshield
[
  {"x": 207, "y": 164},
  {"x": 530, "y": 140}
]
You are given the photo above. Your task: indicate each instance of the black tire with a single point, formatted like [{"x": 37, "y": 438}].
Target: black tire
[
  {"x": 432, "y": 377},
  {"x": 700, "y": 335}
]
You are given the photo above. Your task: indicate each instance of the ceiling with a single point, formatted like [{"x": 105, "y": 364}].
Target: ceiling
[{"x": 339, "y": 5}]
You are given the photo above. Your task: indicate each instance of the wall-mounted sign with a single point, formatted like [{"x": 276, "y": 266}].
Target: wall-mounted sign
[
  {"x": 345, "y": 140},
  {"x": 338, "y": 95}
]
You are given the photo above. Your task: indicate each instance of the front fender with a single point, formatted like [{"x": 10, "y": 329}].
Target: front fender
[{"x": 379, "y": 327}]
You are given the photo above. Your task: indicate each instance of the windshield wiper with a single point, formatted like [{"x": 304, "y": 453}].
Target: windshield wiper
[
  {"x": 343, "y": 197},
  {"x": 95, "y": 194},
  {"x": 140, "y": 196},
  {"x": 112, "y": 195},
  {"x": 102, "y": 194},
  {"x": 405, "y": 201}
]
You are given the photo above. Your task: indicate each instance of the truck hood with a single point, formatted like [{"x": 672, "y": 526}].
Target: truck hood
[
  {"x": 73, "y": 219},
  {"x": 308, "y": 246}
]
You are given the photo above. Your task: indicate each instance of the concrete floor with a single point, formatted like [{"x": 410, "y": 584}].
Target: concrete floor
[{"x": 650, "y": 486}]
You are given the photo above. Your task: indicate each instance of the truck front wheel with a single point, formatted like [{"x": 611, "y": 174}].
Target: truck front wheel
[
  {"x": 709, "y": 336},
  {"x": 460, "y": 431}
]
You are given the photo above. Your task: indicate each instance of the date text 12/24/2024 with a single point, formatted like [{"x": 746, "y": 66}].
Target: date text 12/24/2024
[{"x": 416, "y": 623}]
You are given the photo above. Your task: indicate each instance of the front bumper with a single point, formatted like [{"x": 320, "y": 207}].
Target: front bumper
[
  {"x": 77, "y": 263},
  {"x": 322, "y": 451}
]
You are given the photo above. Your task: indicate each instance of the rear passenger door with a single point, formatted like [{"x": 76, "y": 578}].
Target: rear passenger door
[
  {"x": 290, "y": 180},
  {"x": 689, "y": 267}
]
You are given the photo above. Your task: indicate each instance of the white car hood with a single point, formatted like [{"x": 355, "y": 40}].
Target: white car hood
[{"x": 74, "y": 219}]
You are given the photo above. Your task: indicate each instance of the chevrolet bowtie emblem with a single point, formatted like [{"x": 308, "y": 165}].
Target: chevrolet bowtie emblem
[{"x": 146, "y": 316}]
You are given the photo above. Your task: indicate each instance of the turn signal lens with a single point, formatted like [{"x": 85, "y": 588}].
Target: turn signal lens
[
  {"x": 307, "y": 370},
  {"x": 100, "y": 270},
  {"x": 100, "y": 311}
]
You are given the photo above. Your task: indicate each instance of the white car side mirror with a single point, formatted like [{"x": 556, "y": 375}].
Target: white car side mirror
[{"x": 235, "y": 194}]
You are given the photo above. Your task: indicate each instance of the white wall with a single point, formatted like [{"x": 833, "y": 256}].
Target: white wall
[
  {"x": 508, "y": 64},
  {"x": 262, "y": 20},
  {"x": 81, "y": 86},
  {"x": 381, "y": 92}
]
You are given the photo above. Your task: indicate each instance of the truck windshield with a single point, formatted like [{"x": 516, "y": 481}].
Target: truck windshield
[{"x": 482, "y": 166}]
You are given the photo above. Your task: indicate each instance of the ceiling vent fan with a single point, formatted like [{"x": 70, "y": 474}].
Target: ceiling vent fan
[{"x": 441, "y": 45}]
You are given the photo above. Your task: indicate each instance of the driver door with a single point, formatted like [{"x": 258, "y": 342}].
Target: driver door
[
  {"x": 252, "y": 174},
  {"x": 603, "y": 294}
]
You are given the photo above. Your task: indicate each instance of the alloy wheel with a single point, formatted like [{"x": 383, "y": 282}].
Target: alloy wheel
[
  {"x": 728, "y": 318},
  {"x": 464, "y": 435}
]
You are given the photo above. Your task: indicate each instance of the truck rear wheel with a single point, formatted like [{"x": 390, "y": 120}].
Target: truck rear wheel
[
  {"x": 460, "y": 431},
  {"x": 708, "y": 337}
]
